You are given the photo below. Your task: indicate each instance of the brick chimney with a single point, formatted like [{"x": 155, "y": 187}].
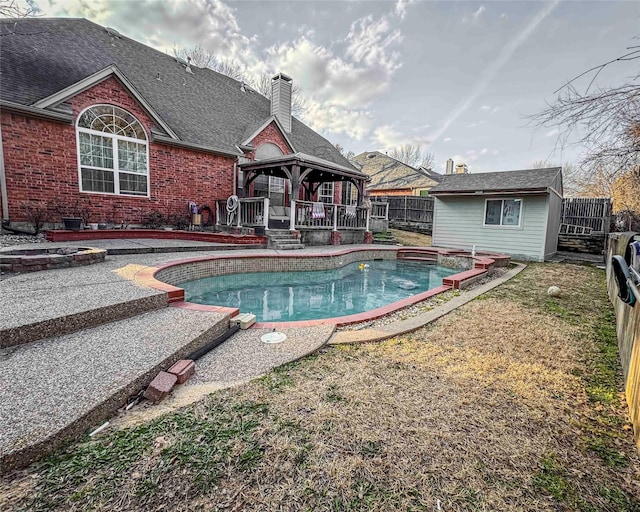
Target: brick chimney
[{"x": 281, "y": 86}]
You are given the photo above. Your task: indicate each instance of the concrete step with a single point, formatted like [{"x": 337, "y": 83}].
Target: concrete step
[
  {"x": 58, "y": 388},
  {"x": 286, "y": 247}
]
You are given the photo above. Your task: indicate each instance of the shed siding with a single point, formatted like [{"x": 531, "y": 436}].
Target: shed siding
[
  {"x": 553, "y": 224},
  {"x": 459, "y": 223}
]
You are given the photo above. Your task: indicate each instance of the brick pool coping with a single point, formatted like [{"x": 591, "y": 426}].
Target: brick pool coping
[
  {"x": 32, "y": 260},
  {"x": 208, "y": 266}
]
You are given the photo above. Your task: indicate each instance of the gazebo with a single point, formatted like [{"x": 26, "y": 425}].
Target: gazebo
[{"x": 317, "y": 222}]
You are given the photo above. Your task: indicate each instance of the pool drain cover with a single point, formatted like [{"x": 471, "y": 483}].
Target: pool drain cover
[{"x": 274, "y": 337}]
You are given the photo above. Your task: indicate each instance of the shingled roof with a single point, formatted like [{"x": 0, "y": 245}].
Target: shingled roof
[
  {"x": 40, "y": 57},
  {"x": 388, "y": 173},
  {"x": 527, "y": 180}
]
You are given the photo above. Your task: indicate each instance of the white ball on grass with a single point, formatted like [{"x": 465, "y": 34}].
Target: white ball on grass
[{"x": 553, "y": 291}]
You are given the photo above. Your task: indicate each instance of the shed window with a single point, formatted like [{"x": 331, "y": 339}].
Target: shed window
[
  {"x": 112, "y": 152},
  {"x": 502, "y": 212}
]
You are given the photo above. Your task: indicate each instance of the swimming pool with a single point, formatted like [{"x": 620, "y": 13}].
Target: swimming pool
[{"x": 311, "y": 295}]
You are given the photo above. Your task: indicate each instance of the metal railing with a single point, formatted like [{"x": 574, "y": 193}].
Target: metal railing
[{"x": 254, "y": 212}]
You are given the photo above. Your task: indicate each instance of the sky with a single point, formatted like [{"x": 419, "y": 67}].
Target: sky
[{"x": 461, "y": 79}]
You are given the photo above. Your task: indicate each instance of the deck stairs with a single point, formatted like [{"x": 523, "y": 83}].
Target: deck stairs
[
  {"x": 283, "y": 240},
  {"x": 425, "y": 254}
]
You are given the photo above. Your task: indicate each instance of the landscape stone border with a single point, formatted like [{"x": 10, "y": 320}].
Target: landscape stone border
[{"x": 32, "y": 260}]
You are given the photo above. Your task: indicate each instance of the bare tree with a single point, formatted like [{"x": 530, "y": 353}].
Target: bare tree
[
  {"x": 203, "y": 58},
  {"x": 11, "y": 9},
  {"x": 347, "y": 154},
  {"x": 411, "y": 154},
  {"x": 605, "y": 121}
]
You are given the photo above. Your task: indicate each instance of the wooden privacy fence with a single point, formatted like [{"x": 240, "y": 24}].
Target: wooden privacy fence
[
  {"x": 408, "y": 209},
  {"x": 583, "y": 215}
]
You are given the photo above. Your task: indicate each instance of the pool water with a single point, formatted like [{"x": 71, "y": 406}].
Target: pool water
[{"x": 311, "y": 295}]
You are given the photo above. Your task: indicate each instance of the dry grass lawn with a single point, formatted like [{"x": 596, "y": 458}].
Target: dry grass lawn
[
  {"x": 410, "y": 238},
  {"x": 510, "y": 403}
]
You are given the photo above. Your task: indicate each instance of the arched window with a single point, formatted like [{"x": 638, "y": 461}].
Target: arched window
[{"x": 112, "y": 152}]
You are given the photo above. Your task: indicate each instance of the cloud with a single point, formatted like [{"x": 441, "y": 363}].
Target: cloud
[
  {"x": 388, "y": 137},
  {"x": 495, "y": 67},
  {"x": 552, "y": 133},
  {"x": 446, "y": 139},
  {"x": 334, "y": 119},
  {"x": 400, "y": 8},
  {"x": 484, "y": 151},
  {"x": 340, "y": 87},
  {"x": 478, "y": 13},
  {"x": 489, "y": 108}
]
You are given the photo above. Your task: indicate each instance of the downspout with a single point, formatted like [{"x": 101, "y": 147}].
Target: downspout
[{"x": 3, "y": 185}]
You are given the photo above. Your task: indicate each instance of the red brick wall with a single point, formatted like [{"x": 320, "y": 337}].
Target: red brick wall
[{"x": 41, "y": 166}]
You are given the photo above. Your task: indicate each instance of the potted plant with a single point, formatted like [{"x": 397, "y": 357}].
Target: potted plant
[{"x": 74, "y": 216}]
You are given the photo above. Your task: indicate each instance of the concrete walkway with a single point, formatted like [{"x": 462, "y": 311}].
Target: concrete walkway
[{"x": 54, "y": 389}]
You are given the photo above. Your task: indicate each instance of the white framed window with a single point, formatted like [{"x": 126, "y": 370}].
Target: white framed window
[
  {"x": 113, "y": 153},
  {"x": 349, "y": 193},
  {"x": 503, "y": 212},
  {"x": 271, "y": 187},
  {"x": 325, "y": 194}
]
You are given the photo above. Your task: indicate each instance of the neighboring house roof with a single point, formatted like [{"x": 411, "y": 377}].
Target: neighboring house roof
[
  {"x": 387, "y": 173},
  {"x": 40, "y": 57},
  {"x": 435, "y": 176},
  {"x": 528, "y": 180}
]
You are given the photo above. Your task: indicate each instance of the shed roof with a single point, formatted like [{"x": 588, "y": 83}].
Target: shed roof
[
  {"x": 387, "y": 173},
  {"x": 526, "y": 180},
  {"x": 40, "y": 57}
]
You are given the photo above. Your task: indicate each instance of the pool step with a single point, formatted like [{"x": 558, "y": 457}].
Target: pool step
[
  {"x": 58, "y": 388},
  {"x": 418, "y": 254}
]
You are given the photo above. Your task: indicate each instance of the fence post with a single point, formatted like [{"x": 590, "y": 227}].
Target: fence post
[
  {"x": 239, "y": 210},
  {"x": 335, "y": 217},
  {"x": 405, "y": 208},
  {"x": 217, "y": 213},
  {"x": 386, "y": 213}
]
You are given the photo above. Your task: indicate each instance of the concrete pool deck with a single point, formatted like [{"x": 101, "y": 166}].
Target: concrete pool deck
[{"x": 61, "y": 384}]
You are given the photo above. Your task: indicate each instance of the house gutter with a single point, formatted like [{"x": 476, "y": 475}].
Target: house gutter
[
  {"x": 39, "y": 113},
  {"x": 163, "y": 139}
]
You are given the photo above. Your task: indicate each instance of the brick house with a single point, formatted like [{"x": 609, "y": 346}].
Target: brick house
[{"x": 93, "y": 119}]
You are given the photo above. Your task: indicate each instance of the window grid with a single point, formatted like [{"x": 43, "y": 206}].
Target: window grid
[
  {"x": 325, "y": 194},
  {"x": 503, "y": 212},
  {"x": 112, "y": 152}
]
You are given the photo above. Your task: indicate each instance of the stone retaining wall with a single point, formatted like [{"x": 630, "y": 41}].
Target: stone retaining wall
[
  {"x": 32, "y": 260},
  {"x": 589, "y": 244}
]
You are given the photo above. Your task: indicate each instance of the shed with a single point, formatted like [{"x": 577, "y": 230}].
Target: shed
[{"x": 513, "y": 212}]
